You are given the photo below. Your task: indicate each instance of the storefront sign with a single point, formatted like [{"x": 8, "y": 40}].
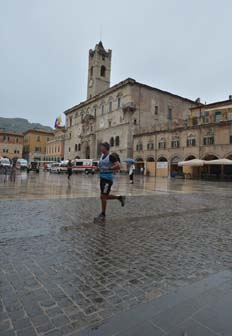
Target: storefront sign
[{"x": 161, "y": 165}]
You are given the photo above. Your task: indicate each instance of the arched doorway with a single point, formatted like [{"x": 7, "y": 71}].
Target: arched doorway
[
  {"x": 139, "y": 166},
  {"x": 162, "y": 159},
  {"x": 209, "y": 157},
  {"x": 191, "y": 172},
  {"x": 228, "y": 168},
  {"x": 190, "y": 157},
  {"x": 175, "y": 170},
  {"x": 150, "y": 166},
  {"x": 162, "y": 167},
  {"x": 211, "y": 171}
]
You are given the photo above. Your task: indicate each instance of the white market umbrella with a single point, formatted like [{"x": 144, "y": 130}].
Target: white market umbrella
[
  {"x": 192, "y": 163},
  {"x": 218, "y": 162}
]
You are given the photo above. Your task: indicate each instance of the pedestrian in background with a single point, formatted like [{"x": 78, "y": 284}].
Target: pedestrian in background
[
  {"x": 131, "y": 173},
  {"x": 69, "y": 170}
]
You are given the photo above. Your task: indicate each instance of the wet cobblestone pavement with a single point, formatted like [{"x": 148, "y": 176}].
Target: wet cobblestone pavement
[{"x": 60, "y": 273}]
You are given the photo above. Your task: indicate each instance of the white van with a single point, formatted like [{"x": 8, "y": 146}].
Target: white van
[
  {"x": 21, "y": 164},
  {"x": 5, "y": 163},
  {"x": 88, "y": 166}
]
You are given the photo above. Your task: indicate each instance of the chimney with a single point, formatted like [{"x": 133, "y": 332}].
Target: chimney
[
  {"x": 230, "y": 97},
  {"x": 198, "y": 100}
]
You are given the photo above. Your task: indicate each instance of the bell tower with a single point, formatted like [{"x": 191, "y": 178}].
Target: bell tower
[{"x": 99, "y": 70}]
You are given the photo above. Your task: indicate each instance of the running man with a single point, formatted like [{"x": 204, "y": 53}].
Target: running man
[{"x": 107, "y": 165}]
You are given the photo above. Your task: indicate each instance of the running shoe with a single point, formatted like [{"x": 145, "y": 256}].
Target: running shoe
[
  {"x": 122, "y": 200},
  {"x": 100, "y": 218}
]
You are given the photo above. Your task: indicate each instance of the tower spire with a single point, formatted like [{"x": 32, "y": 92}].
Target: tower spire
[{"x": 99, "y": 70}]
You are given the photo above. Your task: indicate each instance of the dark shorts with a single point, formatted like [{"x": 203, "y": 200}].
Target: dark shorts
[{"x": 105, "y": 186}]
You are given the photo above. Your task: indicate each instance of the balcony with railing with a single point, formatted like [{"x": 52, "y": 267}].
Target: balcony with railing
[{"x": 129, "y": 107}]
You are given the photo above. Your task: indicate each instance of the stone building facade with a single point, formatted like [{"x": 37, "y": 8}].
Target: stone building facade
[
  {"x": 116, "y": 114},
  {"x": 55, "y": 146},
  {"x": 35, "y": 141},
  {"x": 206, "y": 134},
  {"x": 11, "y": 144}
]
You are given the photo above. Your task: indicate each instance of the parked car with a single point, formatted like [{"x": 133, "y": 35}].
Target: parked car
[
  {"x": 5, "y": 163},
  {"x": 56, "y": 168},
  {"x": 21, "y": 164}
]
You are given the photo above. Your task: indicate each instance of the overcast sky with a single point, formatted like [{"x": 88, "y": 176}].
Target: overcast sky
[{"x": 176, "y": 45}]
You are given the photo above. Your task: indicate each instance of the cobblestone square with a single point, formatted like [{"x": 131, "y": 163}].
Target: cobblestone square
[{"x": 61, "y": 274}]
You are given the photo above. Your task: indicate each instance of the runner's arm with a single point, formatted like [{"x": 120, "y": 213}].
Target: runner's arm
[{"x": 115, "y": 166}]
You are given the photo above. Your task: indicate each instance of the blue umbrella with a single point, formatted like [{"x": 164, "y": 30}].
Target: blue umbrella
[{"x": 129, "y": 161}]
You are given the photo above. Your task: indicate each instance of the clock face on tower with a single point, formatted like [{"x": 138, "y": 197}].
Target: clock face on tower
[{"x": 91, "y": 83}]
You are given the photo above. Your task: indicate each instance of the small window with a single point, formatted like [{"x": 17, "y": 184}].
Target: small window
[
  {"x": 231, "y": 139},
  {"x": 91, "y": 71},
  {"x": 175, "y": 144},
  {"x": 191, "y": 142},
  {"x": 48, "y": 139},
  {"x": 103, "y": 71},
  {"x": 169, "y": 113},
  {"x": 110, "y": 106},
  {"x": 70, "y": 135},
  {"x": 117, "y": 141},
  {"x": 69, "y": 149},
  {"x": 79, "y": 147},
  {"x": 38, "y": 138},
  {"x": 119, "y": 102},
  {"x": 209, "y": 140},
  {"x": 218, "y": 116},
  {"x": 135, "y": 121},
  {"x": 162, "y": 145},
  {"x": 17, "y": 140},
  {"x": 110, "y": 122},
  {"x": 194, "y": 121},
  {"x": 112, "y": 142},
  {"x": 156, "y": 110},
  {"x": 102, "y": 109},
  {"x": 75, "y": 147},
  {"x": 70, "y": 121}
]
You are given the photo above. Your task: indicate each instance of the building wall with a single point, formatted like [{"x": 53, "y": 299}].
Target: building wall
[
  {"x": 157, "y": 110},
  {"x": 100, "y": 120},
  {"x": 11, "y": 145},
  {"x": 55, "y": 147},
  {"x": 35, "y": 144},
  {"x": 123, "y": 113},
  {"x": 222, "y": 147}
]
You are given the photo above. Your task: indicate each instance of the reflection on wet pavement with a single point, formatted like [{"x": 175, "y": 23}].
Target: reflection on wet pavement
[
  {"x": 47, "y": 186},
  {"x": 60, "y": 273}
]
